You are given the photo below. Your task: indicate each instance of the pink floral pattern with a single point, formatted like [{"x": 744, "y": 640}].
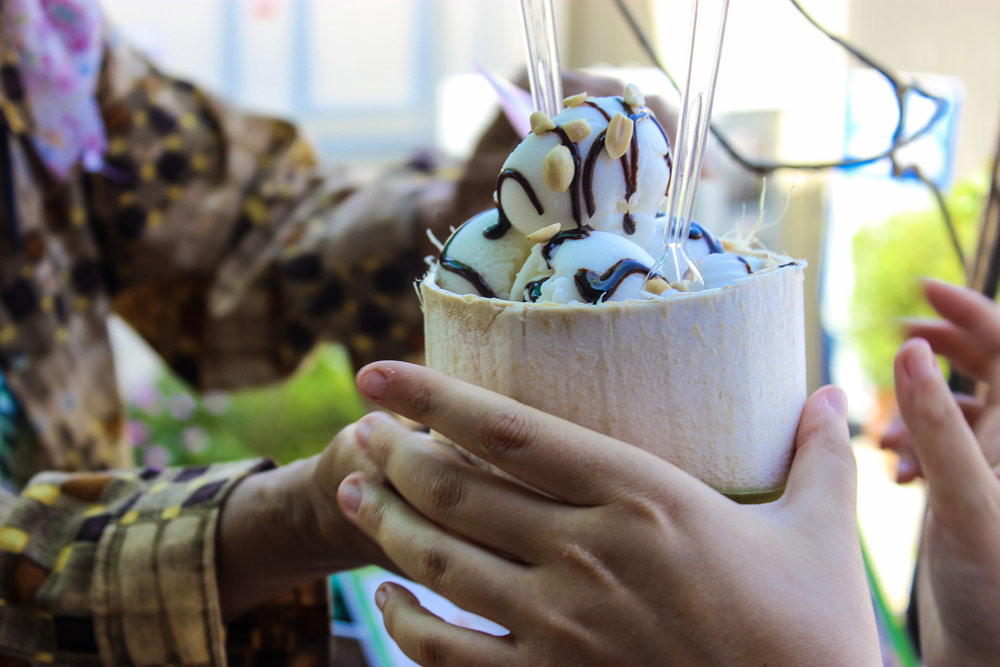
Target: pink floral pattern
[{"x": 58, "y": 46}]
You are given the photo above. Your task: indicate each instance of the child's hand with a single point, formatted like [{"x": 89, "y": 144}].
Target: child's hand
[
  {"x": 622, "y": 558},
  {"x": 958, "y": 583}
]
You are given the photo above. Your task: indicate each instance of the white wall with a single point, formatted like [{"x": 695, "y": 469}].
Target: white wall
[{"x": 957, "y": 37}]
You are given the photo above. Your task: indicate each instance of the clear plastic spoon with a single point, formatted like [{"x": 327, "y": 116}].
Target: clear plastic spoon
[
  {"x": 543, "y": 55},
  {"x": 707, "y": 31}
]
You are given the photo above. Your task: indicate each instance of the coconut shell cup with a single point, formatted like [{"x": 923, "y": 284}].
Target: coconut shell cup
[{"x": 714, "y": 381}]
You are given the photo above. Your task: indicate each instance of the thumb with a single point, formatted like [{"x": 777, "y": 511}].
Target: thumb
[
  {"x": 948, "y": 451},
  {"x": 823, "y": 477}
]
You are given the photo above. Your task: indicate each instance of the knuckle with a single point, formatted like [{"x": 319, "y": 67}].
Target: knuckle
[
  {"x": 584, "y": 558},
  {"x": 592, "y": 560},
  {"x": 372, "y": 513},
  {"x": 346, "y": 455},
  {"x": 430, "y": 652},
  {"x": 837, "y": 451},
  {"x": 656, "y": 513},
  {"x": 420, "y": 400},
  {"x": 386, "y": 448},
  {"x": 507, "y": 431},
  {"x": 445, "y": 491},
  {"x": 662, "y": 512},
  {"x": 433, "y": 566},
  {"x": 429, "y": 563},
  {"x": 568, "y": 627}
]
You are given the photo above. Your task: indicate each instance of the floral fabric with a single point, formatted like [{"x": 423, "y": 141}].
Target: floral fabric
[{"x": 56, "y": 48}]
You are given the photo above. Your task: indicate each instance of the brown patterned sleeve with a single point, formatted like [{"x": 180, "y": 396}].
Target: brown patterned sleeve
[
  {"x": 7, "y": 502},
  {"x": 232, "y": 252},
  {"x": 115, "y": 568}
]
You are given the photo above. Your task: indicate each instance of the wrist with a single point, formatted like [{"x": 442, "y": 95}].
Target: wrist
[
  {"x": 328, "y": 535},
  {"x": 260, "y": 549}
]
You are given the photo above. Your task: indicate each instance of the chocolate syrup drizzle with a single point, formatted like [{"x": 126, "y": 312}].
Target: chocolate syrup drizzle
[
  {"x": 594, "y": 288},
  {"x": 464, "y": 270},
  {"x": 628, "y": 222},
  {"x": 574, "y": 185},
  {"x": 595, "y": 105},
  {"x": 630, "y": 173},
  {"x": 469, "y": 274},
  {"x": 493, "y": 232},
  {"x": 630, "y": 164},
  {"x": 562, "y": 237},
  {"x": 697, "y": 232},
  {"x": 533, "y": 290}
]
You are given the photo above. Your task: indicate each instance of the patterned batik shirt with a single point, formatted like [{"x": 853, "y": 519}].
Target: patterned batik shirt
[{"x": 218, "y": 238}]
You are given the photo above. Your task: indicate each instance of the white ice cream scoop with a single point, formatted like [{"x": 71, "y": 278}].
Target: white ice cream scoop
[
  {"x": 473, "y": 263},
  {"x": 723, "y": 269},
  {"x": 649, "y": 230},
  {"x": 582, "y": 265},
  {"x": 700, "y": 242},
  {"x": 605, "y": 157}
]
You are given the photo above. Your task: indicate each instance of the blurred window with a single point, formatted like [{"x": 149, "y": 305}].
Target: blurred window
[{"x": 357, "y": 75}]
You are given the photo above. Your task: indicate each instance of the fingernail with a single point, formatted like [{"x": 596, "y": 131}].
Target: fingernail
[
  {"x": 837, "y": 401},
  {"x": 363, "y": 431},
  {"x": 920, "y": 363},
  {"x": 350, "y": 496},
  {"x": 905, "y": 469},
  {"x": 380, "y": 596},
  {"x": 373, "y": 383}
]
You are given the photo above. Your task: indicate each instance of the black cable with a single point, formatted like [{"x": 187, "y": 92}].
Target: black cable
[{"x": 899, "y": 138}]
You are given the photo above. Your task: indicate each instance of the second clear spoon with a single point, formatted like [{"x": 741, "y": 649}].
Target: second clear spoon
[{"x": 692, "y": 134}]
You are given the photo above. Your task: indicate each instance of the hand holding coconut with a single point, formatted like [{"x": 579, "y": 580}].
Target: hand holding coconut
[{"x": 620, "y": 558}]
